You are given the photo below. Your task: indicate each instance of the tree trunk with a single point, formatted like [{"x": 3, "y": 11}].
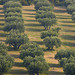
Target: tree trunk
[{"x": 37, "y": 73}]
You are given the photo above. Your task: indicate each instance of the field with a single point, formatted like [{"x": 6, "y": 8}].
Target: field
[{"x": 33, "y": 30}]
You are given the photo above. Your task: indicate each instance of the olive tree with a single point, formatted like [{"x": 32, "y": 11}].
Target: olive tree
[
  {"x": 36, "y": 65},
  {"x": 15, "y": 39},
  {"x": 50, "y": 42}
]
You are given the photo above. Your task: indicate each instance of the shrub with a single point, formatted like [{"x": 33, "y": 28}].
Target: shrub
[
  {"x": 64, "y": 54},
  {"x": 50, "y": 42},
  {"x": 15, "y": 39}
]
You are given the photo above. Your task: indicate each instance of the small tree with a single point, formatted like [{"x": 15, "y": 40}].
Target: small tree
[
  {"x": 73, "y": 16},
  {"x": 15, "y": 39},
  {"x": 50, "y": 42}
]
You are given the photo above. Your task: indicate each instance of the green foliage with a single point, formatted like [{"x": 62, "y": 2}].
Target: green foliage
[
  {"x": 13, "y": 18},
  {"x": 67, "y": 2},
  {"x": 12, "y": 4},
  {"x": 38, "y": 67},
  {"x": 10, "y": 14},
  {"x": 28, "y": 59},
  {"x": 14, "y": 25},
  {"x": 6, "y": 63},
  {"x": 31, "y": 50},
  {"x": 71, "y": 8},
  {"x": 15, "y": 39},
  {"x": 13, "y": 10},
  {"x": 48, "y": 14},
  {"x": 73, "y": 16},
  {"x": 50, "y": 42},
  {"x": 48, "y": 33},
  {"x": 47, "y": 22},
  {"x": 69, "y": 68},
  {"x": 40, "y": 4},
  {"x": 64, "y": 54}
]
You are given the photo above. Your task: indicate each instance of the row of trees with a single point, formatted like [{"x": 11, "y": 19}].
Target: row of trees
[
  {"x": 6, "y": 61},
  {"x": 23, "y": 2},
  {"x": 14, "y": 24},
  {"x": 47, "y": 18},
  {"x": 31, "y": 53},
  {"x": 71, "y": 8},
  {"x": 66, "y": 59}
]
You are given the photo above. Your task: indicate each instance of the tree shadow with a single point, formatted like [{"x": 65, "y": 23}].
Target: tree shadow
[
  {"x": 54, "y": 65},
  {"x": 68, "y": 25},
  {"x": 3, "y": 35},
  {"x": 15, "y": 56},
  {"x": 69, "y": 30},
  {"x": 61, "y": 11},
  {"x": 55, "y": 73},
  {"x": 29, "y": 13},
  {"x": 31, "y": 20},
  {"x": 2, "y": 41},
  {"x": 33, "y": 25},
  {"x": 1, "y": 12},
  {"x": 18, "y": 64},
  {"x": 34, "y": 30},
  {"x": 1, "y": 8},
  {"x": 30, "y": 16},
  {"x": 69, "y": 44},
  {"x": 1, "y": 29},
  {"x": 68, "y": 37},
  {"x": 66, "y": 21},
  {"x": 1, "y": 24},
  {"x": 2, "y": 19},
  {"x": 39, "y": 42},
  {"x": 1, "y": 15},
  {"x": 63, "y": 18},
  {"x": 29, "y": 10},
  {"x": 18, "y": 72}
]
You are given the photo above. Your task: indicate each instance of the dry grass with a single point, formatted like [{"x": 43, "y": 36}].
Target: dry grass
[{"x": 33, "y": 30}]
